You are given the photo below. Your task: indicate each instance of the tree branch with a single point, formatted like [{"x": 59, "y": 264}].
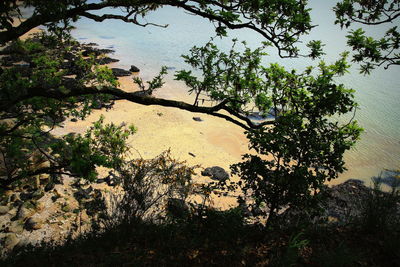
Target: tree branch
[{"x": 139, "y": 98}]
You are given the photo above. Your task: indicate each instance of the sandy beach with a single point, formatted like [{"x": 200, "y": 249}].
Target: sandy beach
[{"x": 213, "y": 141}]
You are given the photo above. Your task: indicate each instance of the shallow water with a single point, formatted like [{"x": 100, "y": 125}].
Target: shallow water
[{"x": 378, "y": 95}]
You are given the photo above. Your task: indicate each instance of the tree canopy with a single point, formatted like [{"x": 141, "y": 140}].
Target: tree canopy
[{"x": 60, "y": 78}]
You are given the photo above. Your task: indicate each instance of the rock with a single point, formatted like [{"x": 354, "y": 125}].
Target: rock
[
  {"x": 197, "y": 119},
  {"x": 24, "y": 212},
  {"x": 88, "y": 190},
  {"x": 11, "y": 241},
  {"x": 106, "y": 60},
  {"x": 81, "y": 194},
  {"x": 33, "y": 224},
  {"x": 17, "y": 203},
  {"x": 14, "y": 198},
  {"x": 120, "y": 72},
  {"x": 57, "y": 179},
  {"x": 106, "y": 51},
  {"x": 216, "y": 173},
  {"x": 91, "y": 50},
  {"x": 16, "y": 227},
  {"x": 112, "y": 179},
  {"x": 91, "y": 44},
  {"x": 49, "y": 187},
  {"x": 44, "y": 176},
  {"x": 134, "y": 69},
  {"x": 40, "y": 206},
  {"x": 100, "y": 181},
  {"x": 25, "y": 196},
  {"x": 38, "y": 194},
  {"x": 4, "y": 210},
  {"x": 66, "y": 208}
]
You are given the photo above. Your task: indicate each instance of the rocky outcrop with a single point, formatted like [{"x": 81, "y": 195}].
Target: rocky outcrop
[
  {"x": 106, "y": 60},
  {"x": 134, "y": 69},
  {"x": 216, "y": 173},
  {"x": 120, "y": 72}
]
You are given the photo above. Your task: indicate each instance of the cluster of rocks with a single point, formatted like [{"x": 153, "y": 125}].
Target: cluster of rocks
[
  {"x": 49, "y": 213},
  {"x": 344, "y": 203}
]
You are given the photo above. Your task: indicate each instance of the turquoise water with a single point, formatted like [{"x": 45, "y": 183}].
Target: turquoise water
[{"x": 378, "y": 95}]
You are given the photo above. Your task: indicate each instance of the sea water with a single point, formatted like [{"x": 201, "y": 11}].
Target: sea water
[{"x": 378, "y": 94}]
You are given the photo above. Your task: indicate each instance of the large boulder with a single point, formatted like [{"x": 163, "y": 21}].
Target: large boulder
[
  {"x": 216, "y": 173},
  {"x": 134, "y": 68},
  {"x": 120, "y": 72}
]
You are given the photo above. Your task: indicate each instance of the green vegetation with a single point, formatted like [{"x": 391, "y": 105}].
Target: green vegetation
[{"x": 296, "y": 152}]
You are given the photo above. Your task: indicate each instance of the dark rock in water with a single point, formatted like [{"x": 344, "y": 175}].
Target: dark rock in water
[
  {"x": 91, "y": 44},
  {"x": 120, "y": 72},
  {"x": 89, "y": 51},
  {"x": 177, "y": 208},
  {"x": 134, "y": 69},
  {"x": 197, "y": 119},
  {"x": 106, "y": 60},
  {"x": 95, "y": 51},
  {"x": 106, "y": 51},
  {"x": 216, "y": 173}
]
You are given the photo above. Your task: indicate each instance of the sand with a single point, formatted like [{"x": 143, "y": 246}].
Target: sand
[{"x": 213, "y": 141}]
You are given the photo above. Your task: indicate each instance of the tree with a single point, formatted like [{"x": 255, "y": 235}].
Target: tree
[
  {"x": 58, "y": 81},
  {"x": 370, "y": 52}
]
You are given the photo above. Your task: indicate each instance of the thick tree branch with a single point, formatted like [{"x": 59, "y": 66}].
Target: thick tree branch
[{"x": 139, "y": 98}]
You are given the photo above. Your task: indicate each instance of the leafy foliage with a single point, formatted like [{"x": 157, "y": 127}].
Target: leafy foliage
[
  {"x": 299, "y": 149},
  {"x": 370, "y": 52},
  {"x": 306, "y": 145}
]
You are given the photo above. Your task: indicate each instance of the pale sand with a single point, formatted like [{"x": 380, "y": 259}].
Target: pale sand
[{"x": 213, "y": 141}]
